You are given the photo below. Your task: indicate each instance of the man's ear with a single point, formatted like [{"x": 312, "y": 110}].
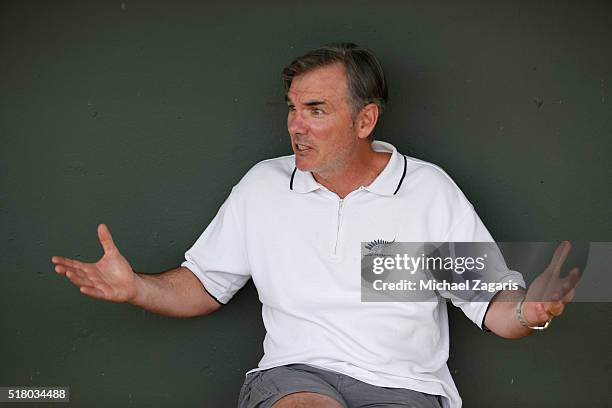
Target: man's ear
[{"x": 366, "y": 120}]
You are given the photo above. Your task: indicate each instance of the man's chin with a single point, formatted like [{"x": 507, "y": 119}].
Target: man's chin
[{"x": 303, "y": 165}]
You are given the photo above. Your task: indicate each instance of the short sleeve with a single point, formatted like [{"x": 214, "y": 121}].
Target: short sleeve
[
  {"x": 470, "y": 228},
  {"x": 218, "y": 258}
]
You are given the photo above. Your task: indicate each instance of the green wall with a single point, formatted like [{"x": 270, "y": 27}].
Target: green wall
[{"x": 143, "y": 114}]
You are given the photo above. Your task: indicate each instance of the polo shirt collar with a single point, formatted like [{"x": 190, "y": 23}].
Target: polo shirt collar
[
  {"x": 387, "y": 183},
  {"x": 303, "y": 181},
  {"x": 391, "y": 178}
]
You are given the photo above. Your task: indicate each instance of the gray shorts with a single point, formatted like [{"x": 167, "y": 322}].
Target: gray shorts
[{"x": 263, "y": 388}]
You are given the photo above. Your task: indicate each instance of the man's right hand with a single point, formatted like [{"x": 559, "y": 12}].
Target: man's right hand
[{"x": 111, "y": 278}]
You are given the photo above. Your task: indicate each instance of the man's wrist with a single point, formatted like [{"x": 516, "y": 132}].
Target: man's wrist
[
  {"x": 523, "y": 321},
  {"x": 139, "y": 290}
]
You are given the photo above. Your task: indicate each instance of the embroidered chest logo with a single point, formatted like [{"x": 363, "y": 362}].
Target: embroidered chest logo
[{"x": 377, "y": 246}]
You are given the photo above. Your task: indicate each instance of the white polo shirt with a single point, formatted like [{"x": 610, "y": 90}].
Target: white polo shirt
[{"x": 301, "y": 245}]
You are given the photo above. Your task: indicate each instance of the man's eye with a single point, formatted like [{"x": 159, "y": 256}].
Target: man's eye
[
  {"x": 291, "y": 108},
  {"x": 317, "y": 111}
]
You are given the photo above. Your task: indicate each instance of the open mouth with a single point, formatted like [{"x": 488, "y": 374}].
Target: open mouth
[{"x": 301, "y": 147}]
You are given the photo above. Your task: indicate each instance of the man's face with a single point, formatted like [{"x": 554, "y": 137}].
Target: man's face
[{"x": 319, "y": 120}]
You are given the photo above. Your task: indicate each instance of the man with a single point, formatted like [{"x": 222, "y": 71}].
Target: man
[{"x": 295, "y": 226}]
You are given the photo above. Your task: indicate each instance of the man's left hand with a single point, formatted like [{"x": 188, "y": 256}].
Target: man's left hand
[{"x": 549, "y": 293}]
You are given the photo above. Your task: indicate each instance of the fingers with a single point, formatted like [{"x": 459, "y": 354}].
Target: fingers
[
  {"x": 542, "y": 315},
  {"x": 573, "y": 277},
  {"x": 554, "y": 309},
  {"x": 569, "y": 286},
  {"x": 565, "y": 286},
  {"x": 569, "y": 297},
  {"x": 544, "y": 312},
  {"x": 560, "y": 256},
  {"x": 76, "y": 276},
  {"x": 72, "y": 263},
  {"x": 63, "y": 268},
  {"x": 88, "y": 286},
  {"x": 106, "y": 239},
  {"x": 548, "y": 310}
]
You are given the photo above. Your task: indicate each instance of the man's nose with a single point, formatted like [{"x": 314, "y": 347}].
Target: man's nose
[{"x": 296, "y": 123}]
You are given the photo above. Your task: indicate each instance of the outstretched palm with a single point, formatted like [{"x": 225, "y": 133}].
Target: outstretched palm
[
  {"x": 111, "y": 278},
  {"x": 549, "y": 292}
]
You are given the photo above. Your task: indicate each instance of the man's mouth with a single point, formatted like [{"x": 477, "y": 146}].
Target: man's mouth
[{"x": 301, "y": 147}]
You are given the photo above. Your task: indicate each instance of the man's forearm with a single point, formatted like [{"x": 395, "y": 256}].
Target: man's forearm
[
  {"x": 501, "y": 317},
  {"x": 175, "y": 293}
]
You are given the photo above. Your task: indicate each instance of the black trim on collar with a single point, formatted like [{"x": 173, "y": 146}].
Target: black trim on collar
[
  {"x": 292, "y": 176},
  {"x": 403, "y": 175}
]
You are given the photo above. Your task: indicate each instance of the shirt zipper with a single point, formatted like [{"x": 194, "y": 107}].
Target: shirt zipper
[{"x": 340, "y": 205}]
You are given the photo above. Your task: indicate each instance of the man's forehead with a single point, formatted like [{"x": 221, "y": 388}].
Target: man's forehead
[{"x": 326, "y": 84}]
